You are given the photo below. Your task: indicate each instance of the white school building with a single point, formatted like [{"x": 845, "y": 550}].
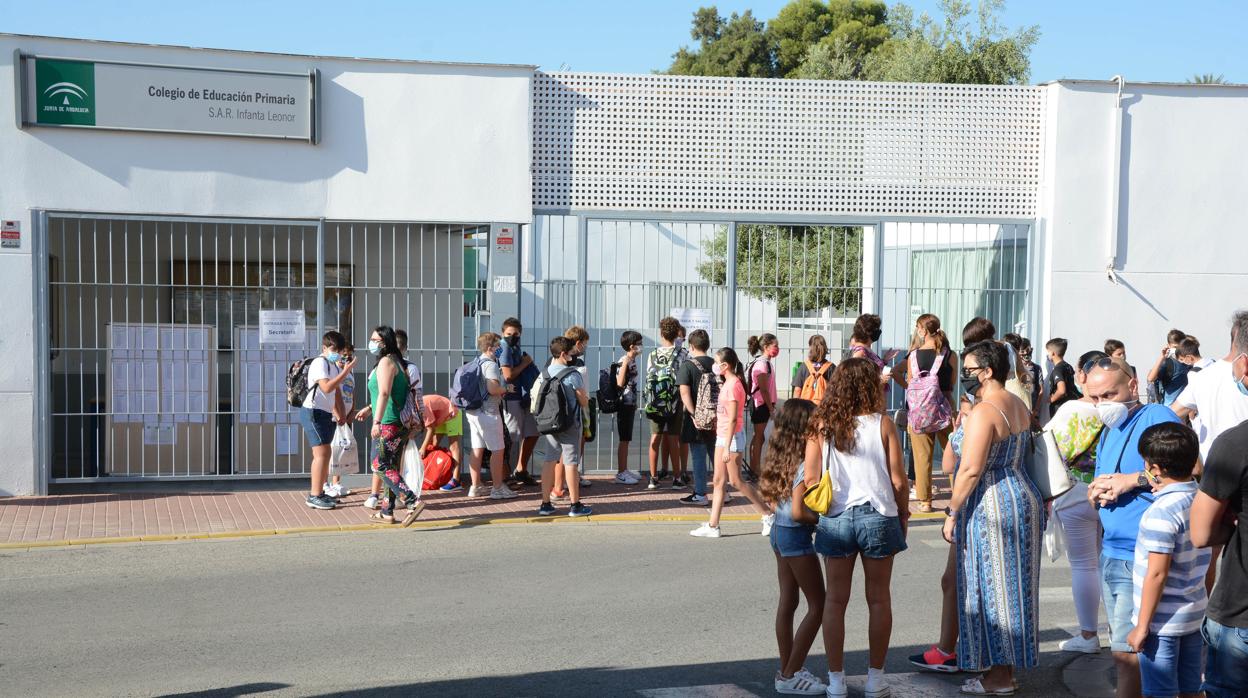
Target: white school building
[{"x": 179, "y": 224}]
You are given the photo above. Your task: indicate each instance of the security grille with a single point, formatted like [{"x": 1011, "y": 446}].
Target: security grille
[{"x": 680, "y": 143}]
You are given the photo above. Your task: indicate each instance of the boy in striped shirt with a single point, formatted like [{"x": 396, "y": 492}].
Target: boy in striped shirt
[{"x": 1169, "y": 573}]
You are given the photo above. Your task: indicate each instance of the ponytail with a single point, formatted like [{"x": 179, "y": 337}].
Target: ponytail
[{"x": 752, "y": 346}]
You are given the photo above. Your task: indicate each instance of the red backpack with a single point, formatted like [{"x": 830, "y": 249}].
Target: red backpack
[
  {"x": 927, "y": 409},
  {"x": 439, "y": 468}
]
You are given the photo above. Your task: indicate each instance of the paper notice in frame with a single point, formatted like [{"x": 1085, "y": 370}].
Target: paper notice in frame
[
  {"x": 282, "y": 327},
  {"x": 504, "y": 284},
  {"x": 10, "y": 234},
  {"x": 693, "y": 318}
]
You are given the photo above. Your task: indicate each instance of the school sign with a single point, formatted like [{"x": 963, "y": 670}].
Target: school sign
[{"x": 74, "y": 93}]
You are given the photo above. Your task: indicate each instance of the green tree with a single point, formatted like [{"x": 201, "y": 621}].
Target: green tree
[
  {"x": 736, "y": 47},
  {"x": 1207, "y": 79},
  {"x": 801, "y": 269}
]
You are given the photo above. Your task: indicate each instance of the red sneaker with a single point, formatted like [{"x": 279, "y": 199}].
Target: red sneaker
[{"x": 936, "y": 659}]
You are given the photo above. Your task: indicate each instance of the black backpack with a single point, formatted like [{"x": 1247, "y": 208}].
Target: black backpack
[
  {"x": 609, "y": 390},
  {"x": 297, "y": 387},
  {"x": 553, "y": 413}
]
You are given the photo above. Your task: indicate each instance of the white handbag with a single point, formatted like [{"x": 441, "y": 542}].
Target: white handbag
[{"x": 1046, "y": 467}]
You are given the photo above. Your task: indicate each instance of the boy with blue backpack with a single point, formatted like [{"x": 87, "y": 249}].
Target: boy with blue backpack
[
  {"x": 477, "y": 388},
  {"x": 519, "y": 372},
  {"x": 558, "y": 406}
]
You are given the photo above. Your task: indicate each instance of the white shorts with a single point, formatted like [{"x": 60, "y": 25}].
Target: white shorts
[
  {"x": 485, "y": 429},
  {"x": 518, "y": 420},
  {"x": 734, "y": 445}
]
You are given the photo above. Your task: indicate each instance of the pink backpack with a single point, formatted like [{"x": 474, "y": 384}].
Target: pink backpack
[{"x": 927, "y": 409}]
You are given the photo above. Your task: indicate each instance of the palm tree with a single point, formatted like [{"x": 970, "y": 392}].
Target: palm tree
[{"x": 1207, "y": 79}]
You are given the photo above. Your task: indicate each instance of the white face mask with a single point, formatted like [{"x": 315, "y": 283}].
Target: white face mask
[
  {"x": 718, "y": 369},
  {"x": 1113, "y": 414}
]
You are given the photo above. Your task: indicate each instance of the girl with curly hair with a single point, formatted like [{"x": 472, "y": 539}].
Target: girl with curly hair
[
  {"x": 782, "y": 485},
  {"x": 857, "y": 444}
]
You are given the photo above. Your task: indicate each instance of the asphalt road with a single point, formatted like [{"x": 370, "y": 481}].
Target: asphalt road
[{"x": 556, "y": 609}]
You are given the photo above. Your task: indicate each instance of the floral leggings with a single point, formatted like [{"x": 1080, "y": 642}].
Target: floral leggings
[{"x": 389, "y": 455}]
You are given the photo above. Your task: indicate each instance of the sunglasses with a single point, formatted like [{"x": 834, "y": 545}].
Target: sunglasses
[
  {"x": 967, "y": 370},
  {"x": 1105, "y": 362}
]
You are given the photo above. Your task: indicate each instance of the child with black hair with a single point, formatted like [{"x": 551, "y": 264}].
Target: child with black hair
[
  {"x": 1062, "y": 388},
  {"x": 1169, "y": 572}
]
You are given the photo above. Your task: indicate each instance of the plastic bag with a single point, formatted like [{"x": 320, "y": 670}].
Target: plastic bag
[
  {"x": 344, "y": 457},
  {"x": 1055, "y": 537},
  {"x": 413, "y": 467}
]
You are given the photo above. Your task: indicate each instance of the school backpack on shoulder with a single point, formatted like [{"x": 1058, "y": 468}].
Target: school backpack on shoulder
[
  {"x": 609, "y": 390},
  {"x": 297, "y": 387},
  {"x": 750, "y": 388},
  {"x": 705, "y": 400},
  {"x": 413, "y": 414},
  {"x": 660, "y": 391},
  {"x": 816, "y": 383},
  {"x": 468, "y": 386},
  {"x": 552, "y": 411},
  {"x": 928, "y": 410}
]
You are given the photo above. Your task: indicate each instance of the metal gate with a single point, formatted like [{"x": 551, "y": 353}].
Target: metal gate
[{"x": 154, "y": 366}]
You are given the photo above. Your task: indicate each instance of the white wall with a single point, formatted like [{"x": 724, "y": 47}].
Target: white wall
[
  {"x": 401, "y": 141},
  {"x": 1183, "y": 205}
]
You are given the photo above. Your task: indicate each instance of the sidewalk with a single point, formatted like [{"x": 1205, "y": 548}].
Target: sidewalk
[{"x": 79, "y": 519}]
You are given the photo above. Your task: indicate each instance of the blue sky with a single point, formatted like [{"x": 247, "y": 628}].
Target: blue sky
[{"x": 1150, "y": 40}]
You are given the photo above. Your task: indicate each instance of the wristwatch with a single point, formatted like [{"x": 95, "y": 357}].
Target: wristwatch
[{"x": 1141, "y": 479}]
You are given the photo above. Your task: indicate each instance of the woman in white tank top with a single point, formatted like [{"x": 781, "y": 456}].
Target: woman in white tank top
[{"x": 860, "y": 449}]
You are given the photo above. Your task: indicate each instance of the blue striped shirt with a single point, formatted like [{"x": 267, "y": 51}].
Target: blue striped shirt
[{"x": 1164, "y": 529}]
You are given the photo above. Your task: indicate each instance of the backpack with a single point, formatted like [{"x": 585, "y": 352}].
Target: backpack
[
  {"x": 439, "y": 468},
  {"x": 705, "y": 400},
  {"x": 468, "y": 386},
  {"x": 609, "y": 390},
  {"x": 552, "y": 410},
  {"x": 816, "y": 383},
  {"x": 413, "y": 413},
  {"x": 928, "y": 410},
  {"x": 660, "y": 392},
  {"x": 750, "y": 388},
  {"x": 297, "y": 387}
]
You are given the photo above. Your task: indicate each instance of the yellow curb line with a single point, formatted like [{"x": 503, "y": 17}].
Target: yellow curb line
[{"x": 437, "y": 523}]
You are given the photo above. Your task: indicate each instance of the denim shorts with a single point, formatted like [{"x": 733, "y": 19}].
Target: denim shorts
[
  {"x": 318, "y": 426},
  {"x": 734, "y": 445},
  {"x": 1226, "y": 659},
  {"x": 793, "y": 541},
  {"x": 1171, "y": 665},
  {"x": 859, "y": 529},
  {"x": 1116, "y": 588}
]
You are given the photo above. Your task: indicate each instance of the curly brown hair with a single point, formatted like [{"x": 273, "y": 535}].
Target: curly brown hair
[
  {"x": 785, "y": 450},
  {"x": 853, "y": 391}
]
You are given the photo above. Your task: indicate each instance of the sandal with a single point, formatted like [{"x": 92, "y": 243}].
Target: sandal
[
  {"x": 384, "y": 518},
  {"x": 413, "y": 513},
  {"x": 975, "y": 687}
]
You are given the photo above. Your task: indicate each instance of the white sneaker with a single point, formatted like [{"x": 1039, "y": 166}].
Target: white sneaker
[
  {"x": 626, "y": 478},
  {"x": 475, "y": 491},
  {"x": 768, "y": 521},
  {"x": 1079, "y": 643},
  {"x": 878, "y": 688},
  {"x": 332, "y": 490},
  {"x": 503, "y": 492},
  {"x": 705, "y": 531},
  {"x": 803, "y": 683},
  {"x": 371, "y": 502},
  {"x": 836, "y": 686},
  {"x": 585, "y": 482}
]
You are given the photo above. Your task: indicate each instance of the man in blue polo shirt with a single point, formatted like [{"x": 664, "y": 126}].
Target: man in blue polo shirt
[{"x": 1121, "y": 492}]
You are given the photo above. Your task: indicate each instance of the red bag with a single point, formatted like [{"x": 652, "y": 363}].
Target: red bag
[{"x": 439, "y": 467}]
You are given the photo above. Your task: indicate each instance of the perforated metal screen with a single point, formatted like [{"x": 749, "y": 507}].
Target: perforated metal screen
[{"x": 677, "y": 143}]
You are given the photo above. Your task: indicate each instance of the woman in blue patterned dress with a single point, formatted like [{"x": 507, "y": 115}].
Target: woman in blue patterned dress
[{"x": 995, "y": 522}]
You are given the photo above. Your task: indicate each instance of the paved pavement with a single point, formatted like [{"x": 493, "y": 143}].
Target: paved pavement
[
  {"x": 179, "y": 509},
  {"x": 601, "y": 609}
]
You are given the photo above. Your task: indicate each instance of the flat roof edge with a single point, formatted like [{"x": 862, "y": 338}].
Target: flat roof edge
[
  {"x": 1145, "y": 83},
  {"x": 402, "y": 61}
]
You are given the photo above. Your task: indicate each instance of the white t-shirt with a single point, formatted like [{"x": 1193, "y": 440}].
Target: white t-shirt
[
  {"x": 1218, "y": 404},
  {"x": 320, "y": 369},
  {"x": 862, "y": 476}
]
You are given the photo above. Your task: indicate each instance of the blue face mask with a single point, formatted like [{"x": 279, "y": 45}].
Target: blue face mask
[
  {"x": 374, "y": 348},
  {"x": 1243, "y": 389},
  {"x": 334, "y": 357},
  {"x": 498, "y": 353}
]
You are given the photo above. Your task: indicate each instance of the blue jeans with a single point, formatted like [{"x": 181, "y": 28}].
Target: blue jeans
[
  {"x": 1226, "y": 659},
  {"x": 697, "y": 461},
  {"x": 859, "y": 529},
  {"x": 1171, "y": 665},
  {"x": 1116, "y": 588}
]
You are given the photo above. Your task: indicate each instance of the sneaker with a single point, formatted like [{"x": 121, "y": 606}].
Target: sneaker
[
  {"x": 329, "y": 489},
  {"x": 452, "y": 486},
  {"x": 557, "y": 494},
  {"x": 664, "y": 474},
  {"x": 800, "y": 684},
  {"x": 320, "y": 501},
  {"x": 413, "y": 514},
  {"x": 546, "y": 509},
  {"x": 585, "y": 482},
  {"x": 503, "y": 492},
  {"x": 878, "y": 688},
  {"x": 579, "y": 509},
  {"x": 475, "y": 491},
  {"x": 680, "y": 483},
  {"x": 372, "y": 502},
  {"x": 1079, "y": 643},
  {"x": 936, "y": 659},
  {"x": 836, "y": 686},
  {"x": 654, "y": 484},
  {"x": 768, "y": 521},
  {"x": 522, "y": 479},
  {"x": 705, "y": 531},
  {"x": 695, "y": 500},
  {"x": 626, "y": 478}
]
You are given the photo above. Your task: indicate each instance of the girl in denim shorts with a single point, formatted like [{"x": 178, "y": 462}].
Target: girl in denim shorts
[{"x": 782, "y": 485}]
